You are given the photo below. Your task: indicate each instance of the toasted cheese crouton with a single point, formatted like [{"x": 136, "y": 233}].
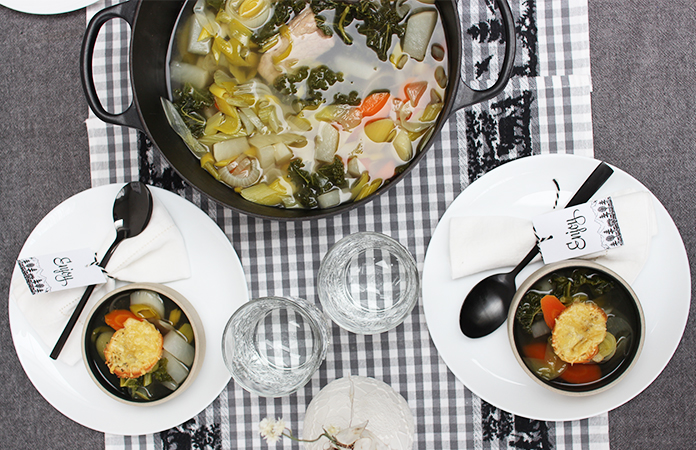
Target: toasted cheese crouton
[
  {"x": 134, "y": 349},
  {"x": 578, "y": 331}
]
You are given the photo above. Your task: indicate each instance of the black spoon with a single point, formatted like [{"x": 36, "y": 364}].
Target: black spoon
[
  {"x": 486, "y": 306},
  {"x": 132, "y": 212}
]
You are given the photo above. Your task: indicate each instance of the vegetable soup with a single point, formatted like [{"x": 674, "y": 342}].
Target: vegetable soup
[
  {"x": 162, "y": 356},
  {"x": 577, "y": 328},
  {"x": 306, "y": 103}
]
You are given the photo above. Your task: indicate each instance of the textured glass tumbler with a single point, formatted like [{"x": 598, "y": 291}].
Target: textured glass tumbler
[
  {"x": 368, "y": 283},
  {"x": 273, "y": 345}
]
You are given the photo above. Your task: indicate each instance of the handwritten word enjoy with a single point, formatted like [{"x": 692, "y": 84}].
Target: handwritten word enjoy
[
  {"x": 575, "y": 230},
  {"x": 64, "y": 271}
]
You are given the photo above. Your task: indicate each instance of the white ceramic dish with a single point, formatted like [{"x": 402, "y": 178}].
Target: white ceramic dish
[
  {"x": 80, "y": 221},
  {"x": 46, "y": 7},
  {"x": 487, "y": 365}
]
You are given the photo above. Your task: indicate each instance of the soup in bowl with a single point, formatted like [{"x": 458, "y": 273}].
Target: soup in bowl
[
  {"x": 576, "y": 327},
  {"x": 143, "y": 344}
]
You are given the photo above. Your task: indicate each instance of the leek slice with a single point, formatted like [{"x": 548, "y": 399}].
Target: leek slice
[
  {"x": 369, "y": 189},
  {"x": 230, "y": 149},
  {"x": 262, "y": 194},
  {"x": 148, "y": 298},
  {"x": 187, "y": 331},
  {"x": 242, "y": 172},
  {"x": 254, "y": 13},
  {"x": 359, "y": 184},
  {"x": 208, "y": 164},
  {"x": 178, "y": 125}
]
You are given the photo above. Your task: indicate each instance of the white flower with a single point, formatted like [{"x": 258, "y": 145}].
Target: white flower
[
  {"x": 357, "y": 437},
  {"x": 332, "y": 430},
  {"x": 279, "y": 427},
  {"x": 348, "y": 436},
  {"x": 271, "y": 430},
  {"x": 266, "y": 426}
]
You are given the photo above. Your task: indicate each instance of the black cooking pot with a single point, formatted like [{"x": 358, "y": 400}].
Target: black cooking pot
[{"x": 152, "y": 25}]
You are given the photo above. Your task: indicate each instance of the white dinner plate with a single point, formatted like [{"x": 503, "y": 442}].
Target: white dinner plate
[
  {"x": 45, "y": 7},
  {"x": 216, "y": 288},
  {"x": 486, "y": 366}
]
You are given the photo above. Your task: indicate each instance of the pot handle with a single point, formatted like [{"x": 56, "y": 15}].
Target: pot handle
[
  {"x": 126, "y": 11},
  {"x": 465, "y": 96}
]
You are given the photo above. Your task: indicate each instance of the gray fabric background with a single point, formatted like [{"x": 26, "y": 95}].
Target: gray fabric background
[{"x": 644, "y": 114}]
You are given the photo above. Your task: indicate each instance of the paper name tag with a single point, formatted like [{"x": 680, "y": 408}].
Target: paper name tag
[
  {"x": 63, "y": 270},
  {"x": 578, "y": 231}
]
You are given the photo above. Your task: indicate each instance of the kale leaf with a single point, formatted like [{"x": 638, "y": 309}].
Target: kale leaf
[
  {"x": 351, "y": 99},
  {"x": 317, "y": 79},
  {"x": 380, "y": 25},
  {"x": 310, "y": 186},
  {"x": 379, "y": 21},
  {"x": 158, "y": 372},
  {"x": 302, "y": 181},
  {"x": 564, "y": 288},
  {"x": 321, "y": 78},
  {"x": 285, "y": 83},
  {"x": 189, "y": 101},
  {"x": 334, "y": 172}
]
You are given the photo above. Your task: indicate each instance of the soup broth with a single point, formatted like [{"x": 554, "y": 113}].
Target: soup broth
[
  {"x": 306, "y": 103},
  {"x": 169, "y": 372},
  {"x": 577, "y": 285}
]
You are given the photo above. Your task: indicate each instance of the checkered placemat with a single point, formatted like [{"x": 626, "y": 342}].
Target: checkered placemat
[{"x": 544, "y": 109}]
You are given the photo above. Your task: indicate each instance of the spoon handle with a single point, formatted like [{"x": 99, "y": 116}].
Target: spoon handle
[
  {"x": 527, "y": 259},
  {"x": 592, "y": 184},
  {"x": 71, "y": 322},
  {"x": 83, "y": 301}
]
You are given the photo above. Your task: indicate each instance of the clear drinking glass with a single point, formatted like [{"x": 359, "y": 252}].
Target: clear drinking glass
[
  {"x": 368, "y": 283},
  {"x": 273, "y": 345}
]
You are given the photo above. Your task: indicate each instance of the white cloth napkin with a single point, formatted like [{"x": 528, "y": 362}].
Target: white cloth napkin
[
  {"x": 479, "y": 243},
  {"x": 157, "y": 255}
]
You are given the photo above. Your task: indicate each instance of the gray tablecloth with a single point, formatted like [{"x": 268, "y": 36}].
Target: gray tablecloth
[{"x": 660, "y": 128}]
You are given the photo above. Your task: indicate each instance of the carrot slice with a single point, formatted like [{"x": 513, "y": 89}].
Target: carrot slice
[
  {"x": 551, "y": 308},
  {"x": 582, "y": 373},
  {"x": 117, "y": 318},
  {"x": 536, "y": 350},
  {"x": 373, "y": 103},
  {"x": 414, "y": 91}
]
